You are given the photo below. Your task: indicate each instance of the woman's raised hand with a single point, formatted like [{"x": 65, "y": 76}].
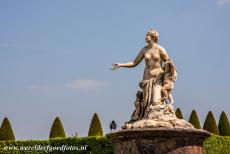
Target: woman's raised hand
[{"x": 114, "y": 66}]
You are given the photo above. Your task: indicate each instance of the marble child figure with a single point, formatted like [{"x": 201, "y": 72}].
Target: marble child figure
[{"x": 170, "y": 76}]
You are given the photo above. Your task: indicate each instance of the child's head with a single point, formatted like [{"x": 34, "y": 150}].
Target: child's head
[{"x": 168, "y": 66}]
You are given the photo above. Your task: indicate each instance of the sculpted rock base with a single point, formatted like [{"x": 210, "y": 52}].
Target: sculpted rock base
[
  {"x": 159, "y": 131},
  {"x": 158, "y": 116},
  {"x": 159, "y": 141}
]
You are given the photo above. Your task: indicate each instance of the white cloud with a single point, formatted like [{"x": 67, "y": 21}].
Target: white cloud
[
  {"x": 86, "y": 84},
  {"x": 223, "y": 2},
  {"x": 72, "y": 85}
]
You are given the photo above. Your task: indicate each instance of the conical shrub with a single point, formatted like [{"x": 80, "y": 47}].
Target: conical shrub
[
  {"x": 6, "y": 131},
  {"x": 179, "y": 114},
  {"x": 224, "y": 126},
  {"x": 95, "y": 126},
  {"x": 57, "y": 129},
  {"x": 194, "y": 120},
  {"x": 210, "y": 124}
]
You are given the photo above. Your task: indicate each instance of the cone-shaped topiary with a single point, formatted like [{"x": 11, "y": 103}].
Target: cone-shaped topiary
[
  {"x": 57, "y": 129},
  {"x": 179, "y": 113},
  {"x": 6, "y": 131},
  {"x": 95, "y": 127},
  {"x": 224, "y": 126},
  {"x": 210, "y": 124},
  {"x": 194, "y": 120}
]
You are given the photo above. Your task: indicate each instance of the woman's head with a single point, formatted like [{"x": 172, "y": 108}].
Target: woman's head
[{"x": 152, "y": 35}]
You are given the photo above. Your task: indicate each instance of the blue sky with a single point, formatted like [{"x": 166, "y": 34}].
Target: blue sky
[{"x": 55, "y": 58}]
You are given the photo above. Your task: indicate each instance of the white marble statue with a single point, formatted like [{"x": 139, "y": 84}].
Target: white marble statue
[
  {"x": 154, "y": 56},
  {"x": 157, "y": 84}
]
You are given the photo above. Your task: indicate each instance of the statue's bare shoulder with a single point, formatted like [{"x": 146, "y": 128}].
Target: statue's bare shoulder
[
  {"x": 144, "y": 50},
  {"x": 163, "y": 53}
]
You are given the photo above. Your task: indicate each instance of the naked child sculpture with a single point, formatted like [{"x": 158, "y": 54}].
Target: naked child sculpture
[{"x": 154, "y": 102}]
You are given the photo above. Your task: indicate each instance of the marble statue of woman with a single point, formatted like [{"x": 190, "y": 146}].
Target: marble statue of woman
[
  {"x": 156, "y": 86},
  {"x": 154, "y": 56}
]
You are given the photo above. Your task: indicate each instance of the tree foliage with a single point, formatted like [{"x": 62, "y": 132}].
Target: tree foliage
[
  {"x": 57, "y": 129},
  {"x": 6, "y": 131},
  {"x": 95, "y": 127},
  {"x": 194, "y": 120},
  {"x": 224, "y": 126},
  {"x": 210, "y": 124},
  {"x": 179, "y": 114}
]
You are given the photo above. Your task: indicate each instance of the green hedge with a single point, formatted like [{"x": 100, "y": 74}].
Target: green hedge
[
  {"x": 217, "y": 145},
  {"x": 101, "y": 145},
  {"x": 95, "y": 145}
]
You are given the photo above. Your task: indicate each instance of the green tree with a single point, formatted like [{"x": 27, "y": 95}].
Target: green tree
[
  {"x": 57, "y": 129},
  {"x": 95, "y": 126},
  {"x": 6, "y": 131},
  {"x": 179, "y": 114},
  {"x": 224, "y": 126},
  {"x": 210, "y": 124},
  {"x": 194, "y": 120}
]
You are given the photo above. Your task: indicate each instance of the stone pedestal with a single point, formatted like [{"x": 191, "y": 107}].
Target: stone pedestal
[{"x": 159, "y": 141}]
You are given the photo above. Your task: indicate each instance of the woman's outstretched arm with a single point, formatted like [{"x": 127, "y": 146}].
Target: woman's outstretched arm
[{"x": 134, "y": 63}]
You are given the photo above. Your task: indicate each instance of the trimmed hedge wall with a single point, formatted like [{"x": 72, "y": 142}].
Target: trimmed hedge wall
[
  {"x": 95, "y": 145},
  {"x": 101, "y": 145},
  {"x": 217, "y": 145}
]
